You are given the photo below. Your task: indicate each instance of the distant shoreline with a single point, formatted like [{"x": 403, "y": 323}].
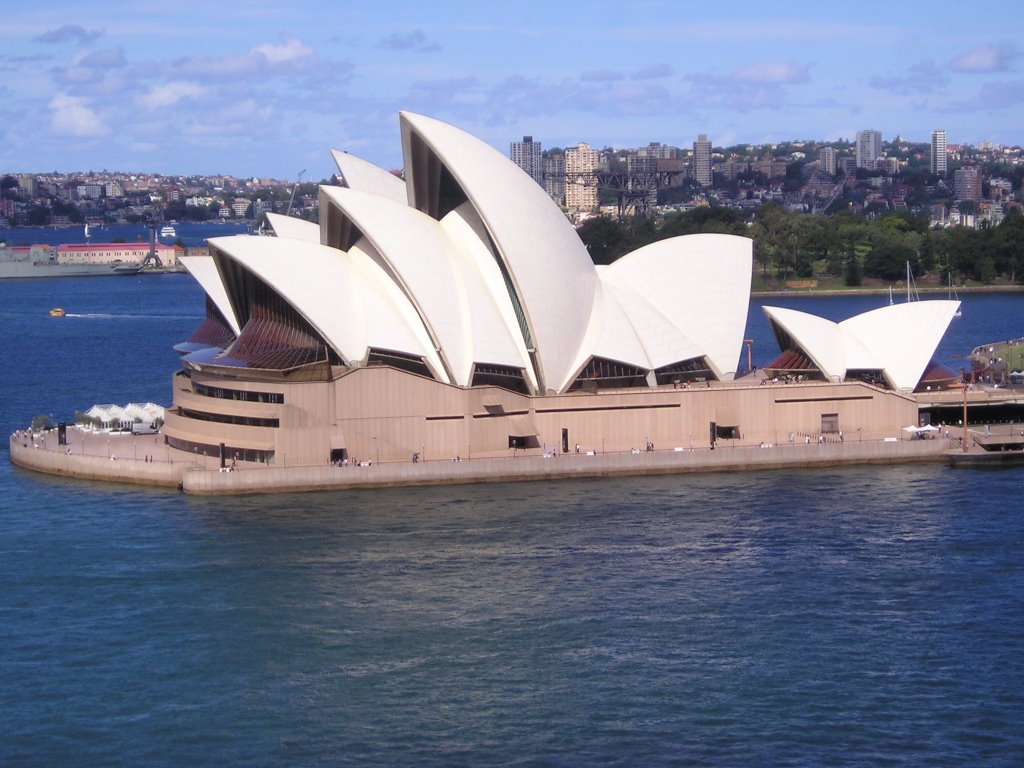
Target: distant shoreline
[{"x": 883, "y": 291}]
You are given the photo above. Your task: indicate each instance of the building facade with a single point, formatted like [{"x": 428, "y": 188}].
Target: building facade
[
  {"x": 967, "y": 184},
  {"x": 827, "y": 160},
  {"x": 581, "y": 162},
  {"x": 938, "y": 152},
  {"x": 869, "y": 148},
  {"x": 554, "y": 176},
  {"x": 702, "y": 160},
  {"x": 528, "y": 156}
]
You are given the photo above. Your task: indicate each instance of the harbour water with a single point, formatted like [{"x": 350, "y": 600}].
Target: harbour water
[
  {"x": 191, "y": 234},
  {"x": 854, "y": 617}
]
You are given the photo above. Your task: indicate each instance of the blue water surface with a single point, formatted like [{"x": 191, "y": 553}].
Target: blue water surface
[{"x": 866, "y": 616}]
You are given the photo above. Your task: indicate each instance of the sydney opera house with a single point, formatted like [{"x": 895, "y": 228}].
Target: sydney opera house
[{"x": 456, "y": 313}]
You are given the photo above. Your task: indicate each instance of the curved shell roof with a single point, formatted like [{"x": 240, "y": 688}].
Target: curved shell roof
[
  {"x": 547, "y": 264},
  {"x": 697, "y": 285},
  {"x": 349, "y": 300},
  {"x": 899, "y": 339},
  {"x": 294, "y": 228},
  {"x": 367, "y": 177},
  {"x": 204, "y": 270},
  {"x": 437, "y": 279}
]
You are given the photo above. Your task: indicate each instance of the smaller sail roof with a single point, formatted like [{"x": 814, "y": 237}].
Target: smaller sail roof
[
  {"x": 898, "y": 340},
  {"x": 366, "y": 177},
  {"x": 294, "y": 228}
]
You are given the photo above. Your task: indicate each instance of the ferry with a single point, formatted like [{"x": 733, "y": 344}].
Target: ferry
[
  {"x": 57, "y": 312},
  {"x": 168, "y": 231}
]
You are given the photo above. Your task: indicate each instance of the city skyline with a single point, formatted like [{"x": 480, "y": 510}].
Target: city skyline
[{"x": 257, "y": 89}]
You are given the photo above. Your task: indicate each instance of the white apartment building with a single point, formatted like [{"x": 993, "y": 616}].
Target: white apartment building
[
  {"x": 938, "y": 157},
  {"x": 581, "y": 162},
  {"x": 527, "y": 155},
  {"x": 869, "y": 148}
]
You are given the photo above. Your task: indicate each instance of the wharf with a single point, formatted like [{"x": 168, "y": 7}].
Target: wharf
[{"x": 997, "y": 446}]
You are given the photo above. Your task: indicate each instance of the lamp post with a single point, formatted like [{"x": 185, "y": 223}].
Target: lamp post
[{"x": 964, "y": 387}]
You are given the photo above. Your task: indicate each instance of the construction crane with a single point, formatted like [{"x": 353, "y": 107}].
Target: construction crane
[{"x": 292, "y": 198}]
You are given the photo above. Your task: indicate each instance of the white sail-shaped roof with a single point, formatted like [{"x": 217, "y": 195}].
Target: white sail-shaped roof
[
  {"x": 204, "y": 270},
  {"x": 700, "y": 285},
  {"x": 617, "y": 338},
  {"x": 494, "y": 332},
  {"x": 820, "y": 339},
  {"x": 350, "y": 301},
  {"x": 367, "y": 177},
  {"x": 548, "y": 268},
  {"x": 294, "y": 228},
  {"x": 898, "y": 340},
  {"x": 414, "y": 249},
  {"x": 903, "y": 337}
]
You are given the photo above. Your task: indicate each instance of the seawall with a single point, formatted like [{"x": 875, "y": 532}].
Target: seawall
[{"x": 262, "y": 479}]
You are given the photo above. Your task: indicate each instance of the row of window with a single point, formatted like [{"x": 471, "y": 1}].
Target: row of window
[
  {"x": 238, "y": 394},
  {"x": 230, "y": 452},
  {"x": 226, "y": 418}
]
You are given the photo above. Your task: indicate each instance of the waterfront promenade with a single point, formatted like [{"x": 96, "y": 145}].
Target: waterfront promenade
[{"x": 144, "y": 459}]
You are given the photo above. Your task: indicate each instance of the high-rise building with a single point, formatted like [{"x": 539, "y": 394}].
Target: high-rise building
[
  {"x": 827, "y": 160},
  {"x": 938, "y": 164},
  {"x": 554, "y": 177},
  {"x": 641, "y": 170},
  {"x": 580, "y": 183},
  {"x": 967, "y": 184},
  {"x": 28, "y": 184},
  {"x": 527, "y": 155},
  {"x": 658, "y": 151},
  {"x": 869, "y": 148},
  {"x": 702, "y": 160}
]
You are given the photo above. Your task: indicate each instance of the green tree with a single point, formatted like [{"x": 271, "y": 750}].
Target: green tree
[
  {"x": 605, "y": 238},
  {"x": 888, "y": 260},
  {"x": 1009, "y": 245},
  {"x": 852, "y": 274}
]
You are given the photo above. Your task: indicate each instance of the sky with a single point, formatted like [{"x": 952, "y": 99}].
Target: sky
[{"x": 267, "y": 87}]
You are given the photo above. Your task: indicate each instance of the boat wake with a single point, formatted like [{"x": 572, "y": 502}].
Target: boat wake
[{"x": 110, "y": 316}]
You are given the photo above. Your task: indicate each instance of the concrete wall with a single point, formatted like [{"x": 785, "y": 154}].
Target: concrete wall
[
  {"x": 282, "y": 479},
  {"x": 386, "y": 415},
  {"x": 55, "y": 462}
]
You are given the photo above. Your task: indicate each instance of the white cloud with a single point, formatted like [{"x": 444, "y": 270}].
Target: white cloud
[
  {"x": 69, "y": 33},
  {"x": 988, "y": 58},
  {"x": 291, "y": 50},
  {"x": 772, "y": 73},
  {"x": 72, "y": 116},
  {"x": 267, "y": 59},
  {"x": 169, "y": 94},
  {"x": 922, "y": 77}
]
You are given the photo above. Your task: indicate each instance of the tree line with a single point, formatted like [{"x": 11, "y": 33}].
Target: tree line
[{"x": 794, "y": 245}]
